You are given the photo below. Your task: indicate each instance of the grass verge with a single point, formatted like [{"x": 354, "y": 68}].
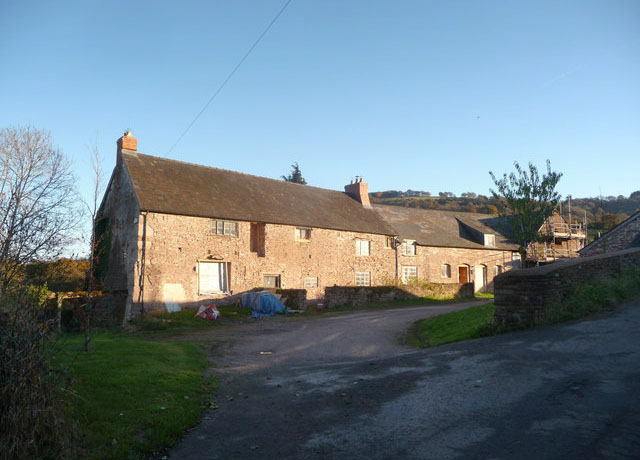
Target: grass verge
[
  {"x": 451, "y": 327},
  {"x": 594, "y": 295},
  {"x": 132, "y": 397}
]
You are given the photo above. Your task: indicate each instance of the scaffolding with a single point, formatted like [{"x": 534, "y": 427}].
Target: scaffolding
[{"x": 560, "y": 239}]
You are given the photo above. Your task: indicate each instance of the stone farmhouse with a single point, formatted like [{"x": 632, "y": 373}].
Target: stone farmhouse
[
  {"x": 625, "y": 235},
  {"x": 175, "y": 234}
]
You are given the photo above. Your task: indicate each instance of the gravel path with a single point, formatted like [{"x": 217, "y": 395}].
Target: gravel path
[{"x": 342, "y": 387}]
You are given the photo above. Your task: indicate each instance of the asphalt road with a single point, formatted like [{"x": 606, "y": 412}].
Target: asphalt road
[{"x": 342, "y": 387}]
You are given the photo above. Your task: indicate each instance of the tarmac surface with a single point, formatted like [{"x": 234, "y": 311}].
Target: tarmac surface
[{"x": 343, "y": 386}]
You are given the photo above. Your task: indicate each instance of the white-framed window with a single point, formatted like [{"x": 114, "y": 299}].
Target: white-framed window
[
  {"x": 224, "y": 227},
  {"x": 515, "y": 256},
  {"x": 271, "y": 281},
  {"x": 490, "y": 240},
  {"x": 303, "y": 234},
  {"x": 409, "y": 272},
  {"x": 213, "y": 278},
  {"x": 363, "y": 247},
  {"x": 497, "y": 269},
  {"x": 445, "y": 271},
  {"x": 409, "y": 248},
  {"x": 388, "y": 242},
  {"x": 311, "y": 282},
  {"x": 363, "y": 278}
]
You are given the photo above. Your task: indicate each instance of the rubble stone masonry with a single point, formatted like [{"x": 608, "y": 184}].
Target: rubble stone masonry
[
  {"x": 622, "y": 237},
  {"x": 173, "y": 245},
  {"x": 429, "y": 261}
]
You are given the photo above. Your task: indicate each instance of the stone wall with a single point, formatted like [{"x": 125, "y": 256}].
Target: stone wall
[
  {"x": 429, "y": 260},
  {"x": 121, "y": 214},
  {"x": 353, "y": 295},
  {"x": 523, "y": 295},
  {"x": 174, "y": 246},
  {"x": 624, "y": 236}
]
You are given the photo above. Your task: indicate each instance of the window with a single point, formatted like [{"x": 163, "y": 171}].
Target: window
[
  {"x": 388, "y": 242},
  {"x": 303, "y": 234},
  {"x": 363, "y": 278},
  {"x": 223, "y": 227},
  {"x": 271, "y": 281},
  {"x": 311, "y": 282},
  {"x": 213, "y": 278},
  {"x": 497, "y": 269},
  {"x": 490, "y": 240},
  {"x": 409, "y": 248},
  {"x": 515, "y": 256},
  {"x": 363, "y": 248},
  {"x": 445, "y": 271},
  {"x": 409, "y": 273}
]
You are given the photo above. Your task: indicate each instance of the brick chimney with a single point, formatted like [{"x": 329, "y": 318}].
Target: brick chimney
[
  {"x": 359, "y": 191},
  {"x": 126, "y": 142}
]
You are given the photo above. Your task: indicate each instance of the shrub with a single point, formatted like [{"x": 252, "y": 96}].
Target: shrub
[{"x": 32, "y": 422}]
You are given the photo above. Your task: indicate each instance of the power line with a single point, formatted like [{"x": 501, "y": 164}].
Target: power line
[{"x": 226, "y": 80}]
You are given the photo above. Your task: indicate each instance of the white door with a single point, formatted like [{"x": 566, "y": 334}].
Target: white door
[
  {"x": 480, "y": 280},
  {"x": 212, "y": 277}
]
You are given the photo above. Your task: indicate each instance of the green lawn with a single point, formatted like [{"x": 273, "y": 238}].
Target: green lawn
[
  {"x": 484, "y": 295},
  {"x": 451, "y": 327},
  {"x": 132, "y": 397}
]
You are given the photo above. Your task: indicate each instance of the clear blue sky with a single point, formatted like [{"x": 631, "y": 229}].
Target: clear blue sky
[{"x": 389, "y": 90}]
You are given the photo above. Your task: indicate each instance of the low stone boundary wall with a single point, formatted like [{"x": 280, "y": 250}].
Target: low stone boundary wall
[
  {"x": 523, "y": 295},
  {"x": 296, "y": 299},
  {"x": 359, "y": 295}
]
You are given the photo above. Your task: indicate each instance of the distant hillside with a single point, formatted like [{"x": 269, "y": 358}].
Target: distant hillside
[{"x": 601, "y": 213}]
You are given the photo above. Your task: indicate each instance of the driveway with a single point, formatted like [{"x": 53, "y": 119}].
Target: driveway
[{"x": 343, "y": 387}]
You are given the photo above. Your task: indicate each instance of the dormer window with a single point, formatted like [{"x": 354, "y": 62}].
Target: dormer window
[{"x": 490, "y": 240}]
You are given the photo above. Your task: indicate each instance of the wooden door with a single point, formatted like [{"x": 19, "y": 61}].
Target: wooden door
[{"x": 463, "y": 274}]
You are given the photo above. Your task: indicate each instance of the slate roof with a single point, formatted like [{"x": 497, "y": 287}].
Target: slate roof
[
  {"x": 635, "y": 242},
  {"x": 446, "y": 228},
  {"x": 176, "y": 187}
]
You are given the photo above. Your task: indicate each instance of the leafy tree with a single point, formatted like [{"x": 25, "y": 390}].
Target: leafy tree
[
  {"x": 528, "y": 199},
  {"x": 295, "y": 175}
]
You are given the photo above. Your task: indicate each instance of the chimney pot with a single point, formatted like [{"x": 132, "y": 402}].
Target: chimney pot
[
  {"x": 359, "y": 191},
  {"x": 126, "y": 142}
]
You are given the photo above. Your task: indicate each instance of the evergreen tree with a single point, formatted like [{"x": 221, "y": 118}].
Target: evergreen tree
[{"x": 295, "y": 175}]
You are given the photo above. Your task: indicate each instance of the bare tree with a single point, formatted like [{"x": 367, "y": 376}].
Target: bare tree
[
  {"x": 94, "y": 240},
  {"x": 38, "y": 205}
]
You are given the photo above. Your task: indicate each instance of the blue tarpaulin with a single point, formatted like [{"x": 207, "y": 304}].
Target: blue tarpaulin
[{"x": 263, "y": 303}]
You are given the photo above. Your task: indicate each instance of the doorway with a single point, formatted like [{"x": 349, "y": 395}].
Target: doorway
[
  {"x": 463, "y": 274},
  {"x": 480, "y": 281}
]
